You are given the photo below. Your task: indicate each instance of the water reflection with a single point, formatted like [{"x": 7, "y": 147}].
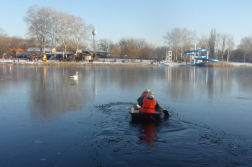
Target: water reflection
[
  {"x": 53, "y": 92},
  {"x": 208, "y": 101},
  {"x": 147, "y": 131},
  {"x": 183, "y": 82}
]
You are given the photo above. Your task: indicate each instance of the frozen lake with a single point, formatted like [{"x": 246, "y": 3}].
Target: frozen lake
[{"x": 50, "y": 119}]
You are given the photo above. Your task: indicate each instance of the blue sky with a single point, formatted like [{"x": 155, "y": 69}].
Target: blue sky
[{"x": 142, "y": 19}]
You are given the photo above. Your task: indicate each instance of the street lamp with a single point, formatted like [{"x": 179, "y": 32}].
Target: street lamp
[{"x": 94, "y": 33}]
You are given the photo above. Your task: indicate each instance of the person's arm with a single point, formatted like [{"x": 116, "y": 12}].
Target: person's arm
[
  {"x": 140, "y": 100},
  {"x": 157, "y": 105}
]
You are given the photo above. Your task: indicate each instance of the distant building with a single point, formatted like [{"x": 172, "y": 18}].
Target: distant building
[
  {"x": 50, "y": 52},
  {"x": 84, "y": 55},
  {"x": 8, "y": 53},
  {"x": 58, "y": 54},
  {"x": 38, "y": 51},
  {"x": 102, "y": 54},
  {"x": 21, "y": 54},
  {"x": 18, "y": 53}
]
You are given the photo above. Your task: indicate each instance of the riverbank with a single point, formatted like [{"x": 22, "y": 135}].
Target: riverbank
[
  {"x": 226, "y": 64},
  {"x": 219, "y": 64},
  {"x": 112, "y": 63},
  {"x": 81, "y": 63}
]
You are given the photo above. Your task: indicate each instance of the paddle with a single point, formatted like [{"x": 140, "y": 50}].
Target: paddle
[{"x": 166, "y": 113}]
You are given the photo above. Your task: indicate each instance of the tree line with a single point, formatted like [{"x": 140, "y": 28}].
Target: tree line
[
  {"x": 49, "y": 27},
  {"x": 7, "y": 42},
  {"x": 136, "y": 49},
  {"x": 220, "y": 46}
]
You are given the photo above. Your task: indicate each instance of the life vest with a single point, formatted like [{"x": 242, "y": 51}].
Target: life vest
[
  {"x": 145, "y": 94},
  {"x": 148, "y": 105}
]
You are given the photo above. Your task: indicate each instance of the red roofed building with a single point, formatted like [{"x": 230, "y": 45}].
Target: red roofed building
[
  {"x": 23, "y": 52},
  {"x": 17, "y": 50}
]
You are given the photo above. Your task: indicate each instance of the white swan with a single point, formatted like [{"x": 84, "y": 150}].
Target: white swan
[{"x": 75, "y": 76}]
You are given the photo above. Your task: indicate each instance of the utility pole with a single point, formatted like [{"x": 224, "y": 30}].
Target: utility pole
[{"x": 94, "y": 33}]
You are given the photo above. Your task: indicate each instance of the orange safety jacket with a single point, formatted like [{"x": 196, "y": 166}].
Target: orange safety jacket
[
  {"x": 144, "y": 94},
  {"x": 148, "y": 105}
]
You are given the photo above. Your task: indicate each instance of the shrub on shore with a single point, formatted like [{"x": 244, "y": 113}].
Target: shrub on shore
[
  {"x": 219, "y": 64},
  {"x": 52, "y": 63}
]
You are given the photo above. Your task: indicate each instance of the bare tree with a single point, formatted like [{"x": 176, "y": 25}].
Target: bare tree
[
  {"x": 230, "y": 45},
  {"x": 173, "y": 39},
  {"x": 246, "y": 46},
  {"x": 54, "y": 37},
  {"x": 188, "y": 38},
  {"x": 3, "y": 36},
  {"x": 135, "y": 48},
  {"x": 147, "y": 52},
  {"x": 80, "y": 31},
  {"x": 160, "y": 52},
  {"x": 105, "y": 45},
  {"x": 128, "y": 47},
  {"x": 212, "y": 40},
  {"x": 16, "y": 42},
  {"x": 180, "y": 40},
  {"x": 64, "y": 29},
  {"x": 7, "y": 42},
  {"x": 39, "y": 20},
  {"x": 217, "y": 44},
  {"x": 145, "y": 49},
  {"x": 132, "y": 51},
  {"x": 2, "y": 33},
  {"x": 50, "y": 27},
  {"x": 204, "y": 42},
  {"x": 115, "y": 52},
  {"x": 123, "y": 46},
  {"x": 223, "y": 39}
]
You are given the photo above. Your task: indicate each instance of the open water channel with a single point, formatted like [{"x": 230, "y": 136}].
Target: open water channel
[{"x": 49, "y": 119}]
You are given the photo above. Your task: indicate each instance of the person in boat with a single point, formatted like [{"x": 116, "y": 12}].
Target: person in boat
[
  {"x": 149, "y": 103},
  {"x": 144, "y": 94}
]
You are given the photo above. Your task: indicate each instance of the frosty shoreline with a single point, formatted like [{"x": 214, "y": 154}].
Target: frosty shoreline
[
  {"x": 107, "y": 62},
  {"x": 110, "y": 62}
]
